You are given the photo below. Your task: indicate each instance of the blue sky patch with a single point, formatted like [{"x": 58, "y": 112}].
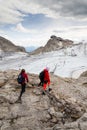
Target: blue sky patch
[{"x": 36, "y": 21}]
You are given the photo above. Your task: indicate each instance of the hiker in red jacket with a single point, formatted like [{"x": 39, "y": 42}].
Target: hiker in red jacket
[
  {"x": 23, "y": 83},
  {"x": 46, "y": 80}
]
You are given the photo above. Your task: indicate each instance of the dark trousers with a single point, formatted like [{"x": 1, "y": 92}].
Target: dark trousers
[
  {"x": 23, "y": 87},
  {"x": 41, "y": 82}
]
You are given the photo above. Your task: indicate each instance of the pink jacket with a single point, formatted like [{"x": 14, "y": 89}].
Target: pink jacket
[{"x": 25, "y": 77}]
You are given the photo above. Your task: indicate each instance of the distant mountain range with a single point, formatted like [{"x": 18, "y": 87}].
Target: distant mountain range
[
  {"x": 53, "y": 44},
  {"x": 30, "y": 48},
  {"x": 8, "y": 46}
]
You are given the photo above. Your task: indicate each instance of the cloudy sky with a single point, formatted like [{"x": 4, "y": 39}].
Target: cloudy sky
[{"x": 32, "y": 22}]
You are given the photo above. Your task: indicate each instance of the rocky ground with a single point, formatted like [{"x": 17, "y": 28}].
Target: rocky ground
[{"x": 64, "y": 108}]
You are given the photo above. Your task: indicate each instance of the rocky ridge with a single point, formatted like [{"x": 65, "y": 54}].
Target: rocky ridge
[
  {"x": 64, "y": 108},
  {"x": 53, "y": 44},
  {"x": 8, "y": 46}
]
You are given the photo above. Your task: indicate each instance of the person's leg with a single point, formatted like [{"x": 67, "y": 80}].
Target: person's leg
[
  {"x": 23, "y": 86},
  {"x": 44, "y": 88},
  {"x": 41, "y": 82},
  {"x": 49, "y": 89}
]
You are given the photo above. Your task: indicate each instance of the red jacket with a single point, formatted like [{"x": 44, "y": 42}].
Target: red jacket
[
  {"x": 46, "y": 75},
  {"x": 25, "y": 77}
]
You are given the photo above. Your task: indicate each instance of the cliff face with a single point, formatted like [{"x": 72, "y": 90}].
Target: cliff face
[
  {"x": 64, "y": 108},
  {"x": 53, "y": 44},
  {"x": 8, "y": 46}
]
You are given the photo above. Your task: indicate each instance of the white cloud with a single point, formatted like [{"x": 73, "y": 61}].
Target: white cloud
[
  {"x": 1, "y": 31},
  {"x": 3, "y": 34},
  {"x": 30, "y": 42},
  {"x": 13, "y": 12},
  {"x": 19, "y": 27},
  {"x": 9, "y": 15},
  {"x": 75, "y": 33},
  {"x": 70, "y": 19}
]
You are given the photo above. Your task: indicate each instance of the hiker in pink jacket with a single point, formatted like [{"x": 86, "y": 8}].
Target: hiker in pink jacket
[{"x": 24, "y": 79}]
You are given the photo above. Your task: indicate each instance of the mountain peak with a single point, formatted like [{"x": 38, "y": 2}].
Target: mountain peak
[
  {"x": 53, "y": 44},
  {"x": 8, "y": 46}
]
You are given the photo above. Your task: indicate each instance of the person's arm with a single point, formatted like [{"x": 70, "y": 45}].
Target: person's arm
[
  {"x": 26, "y": 77},
  {"x": 48, "y": 80}
]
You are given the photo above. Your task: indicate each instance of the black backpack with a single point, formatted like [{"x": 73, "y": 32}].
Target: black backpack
[
  {"x": 41, "y": 75},
  {"x": 20, "y": 79}
]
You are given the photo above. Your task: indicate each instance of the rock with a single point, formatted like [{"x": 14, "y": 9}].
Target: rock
[
  {"x": 53, "y": 44},
  {"x": 84, "y": 74},
  {"x": 57, "y": 127},
  {"x": 83, "y": 126},
  {"x": 1, "y": 123},
  {"x": 59, "y": 115},
  {"x": 2, "y": 82},
  {"x": 8, "y": 46},
  {"x": 6, "y": 125},
  {"x": 37, "y": 92},
  {"x": 83, "y": 118},
  {"x": 73, "y": 125},
  {"x": 51, "y": 110},
  {"x": 3, "y": 79},
  {"x": 4, "y": 112},
  {"x": 61, "y": 109}
]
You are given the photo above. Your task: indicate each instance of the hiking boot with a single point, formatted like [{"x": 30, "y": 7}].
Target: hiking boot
[
  {"x": 49, "y": 89},
  {"x": 43, "y": 93},
  {"x": 40, "y": 84},
  {"x": 19, "y": 100}
]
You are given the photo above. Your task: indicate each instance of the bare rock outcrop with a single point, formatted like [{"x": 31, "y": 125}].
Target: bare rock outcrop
[
  {"x": 8, "y": 46},
  {"x": 53, "y": 44},
  {"x": 84, "y": 74},
  {"x": 64, "y": 108}
]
